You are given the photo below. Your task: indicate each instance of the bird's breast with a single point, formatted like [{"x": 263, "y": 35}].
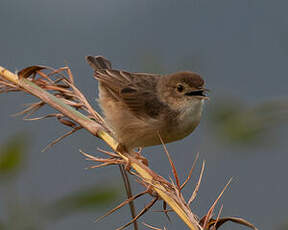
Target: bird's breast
[{"x": 184, "y": 124}]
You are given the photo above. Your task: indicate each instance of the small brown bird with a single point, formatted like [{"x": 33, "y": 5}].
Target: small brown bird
[{"x": 139, "y": 107}]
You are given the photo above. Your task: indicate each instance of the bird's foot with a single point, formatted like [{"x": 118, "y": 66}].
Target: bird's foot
[
  {"x": 136, "y": 154},
  {"x": 143, "y": 160}
]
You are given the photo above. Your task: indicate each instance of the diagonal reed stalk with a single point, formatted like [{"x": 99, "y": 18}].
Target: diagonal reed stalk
[
  {"x": 158, "y": 184},
  {"x": 62, "y": 95}
]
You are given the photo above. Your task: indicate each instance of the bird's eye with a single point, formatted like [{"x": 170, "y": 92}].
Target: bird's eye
[{"x": 180, "y": 88}]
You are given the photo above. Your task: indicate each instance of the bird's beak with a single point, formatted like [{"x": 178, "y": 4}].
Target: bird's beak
[
  {"x": 205, "y": 97},
  {"x": 199, "y": 93}
]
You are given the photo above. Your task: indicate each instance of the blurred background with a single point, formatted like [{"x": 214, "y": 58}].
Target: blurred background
[{"x": 239, "y": 47}]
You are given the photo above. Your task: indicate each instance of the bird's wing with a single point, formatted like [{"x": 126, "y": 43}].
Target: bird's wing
[{"x": 136, "y": 91}]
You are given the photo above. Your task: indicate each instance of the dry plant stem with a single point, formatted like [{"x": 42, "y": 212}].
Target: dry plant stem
[
  {"x": 59, "y": 105},
  {"x": 169, "y": 195},
  {"x": 144, "y": 210},
  {"x": 217, "y": 219},
  {"x": 210, "y": 211},
  {"x": 165, "y": 210},
  {"x": 235, "y": 220},
  {"x": 194, "y": 194},
  {"x": 129, "y": 194},
  {"x": 61, "y": 138},
  {"x": 171, "y": 163},
  {"x": 122, "y": 204},
  {"x": 190, "y": 172},
  {"x": 149, "y": 226}
]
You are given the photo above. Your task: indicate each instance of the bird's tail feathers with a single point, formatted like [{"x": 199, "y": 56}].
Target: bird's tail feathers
[{"x": 98, "y": 62}]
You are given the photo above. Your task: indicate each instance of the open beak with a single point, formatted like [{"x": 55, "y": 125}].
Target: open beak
[
  {"x": 205, "y": 91},
  {"x": 199, "y": 93}
]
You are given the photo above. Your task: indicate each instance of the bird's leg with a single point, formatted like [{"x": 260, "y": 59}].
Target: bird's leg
[
  {"x": 123, "y": 168},
  {"x": 122, "y": 149},
  {"x": 140, "y": 157},
  {"x": 139, "y": 150},
  {"x": 137, "y": 154}
]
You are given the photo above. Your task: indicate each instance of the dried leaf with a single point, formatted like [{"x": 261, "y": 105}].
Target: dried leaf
[
  {"x": 236, "y": 220},
  {"x": 171, "y": 163},
  {"x": 194, "y": 194},
  {"x": 142, "y": 212},
  {"x": 190, "y": 172},
  {"x": 122, "y": 204},
  {"x": 28, "y": 71},
  {"x": 210, "y": 211}
]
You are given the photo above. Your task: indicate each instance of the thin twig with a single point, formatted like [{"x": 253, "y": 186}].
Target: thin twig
[
  {"x": 235, "y": 220},
  {"x": 165, "y": 210},
  {"x": 129, "y": 194},
  {"x": 170, "y": 161},
  {"x": 210, "y": 211},
  {"x": 122, "y": 204},
  {"x": 149, "y": 226},
  {"x": 61, "y": 138},
  {"x": 190, "y": 172},
  {"x": 218, "y": 218},
  {"x": 142, "y": 212},
  {"x": 31, "y": 109},
  {"x": 194, "y": 194}
]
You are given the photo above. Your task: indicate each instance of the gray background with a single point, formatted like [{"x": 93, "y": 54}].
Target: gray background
[{"x": 240, "y": 48}]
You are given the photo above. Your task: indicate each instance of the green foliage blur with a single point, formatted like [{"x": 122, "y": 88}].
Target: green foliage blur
[
  {"x": 12, "y": 156},
  {"x": 235, "y": 122},
  {"x": 22, "y": 215}
]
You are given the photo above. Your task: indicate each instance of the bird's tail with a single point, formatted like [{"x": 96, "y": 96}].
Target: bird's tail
[{"x": 98, "y": 62}]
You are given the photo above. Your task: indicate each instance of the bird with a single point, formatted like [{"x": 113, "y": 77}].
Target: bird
[{"x": 144, "y": 109}]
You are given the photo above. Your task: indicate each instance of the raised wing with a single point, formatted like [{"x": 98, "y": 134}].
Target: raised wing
[{"x": 136, "y": 91}]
